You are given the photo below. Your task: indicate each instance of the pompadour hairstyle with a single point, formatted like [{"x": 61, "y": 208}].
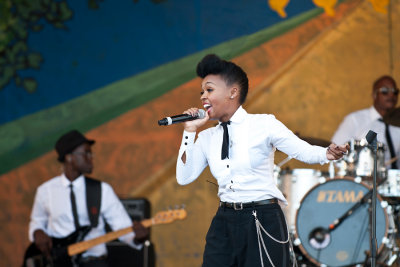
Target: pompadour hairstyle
[{"x": 229, "y": 71}]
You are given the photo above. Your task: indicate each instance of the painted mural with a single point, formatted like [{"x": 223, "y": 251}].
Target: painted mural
[
  {"x": 112, "y": 69},
  {"x": 116, "y": 54}
]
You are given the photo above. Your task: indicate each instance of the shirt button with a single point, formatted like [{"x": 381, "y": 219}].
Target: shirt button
[
  {"x": 186, "y": 137},
  {"x": 185, "y": 144},
  {"x": 227, "y": 166}
]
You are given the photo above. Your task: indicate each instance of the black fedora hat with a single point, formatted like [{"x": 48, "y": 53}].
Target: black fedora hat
[{"x": 68, "y": 142}]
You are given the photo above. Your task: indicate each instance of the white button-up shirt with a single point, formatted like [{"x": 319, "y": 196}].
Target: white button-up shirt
[
  {"x": 52, "y": 212},
  {"x": 247, "y": 175},
  {"x": 357, "y": 124}
]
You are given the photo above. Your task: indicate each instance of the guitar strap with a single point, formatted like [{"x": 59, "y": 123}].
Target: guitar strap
[{"x": 93, "y": 200}]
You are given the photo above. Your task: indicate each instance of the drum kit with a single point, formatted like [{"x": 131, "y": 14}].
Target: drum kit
[{"x": 329, "y": 214}]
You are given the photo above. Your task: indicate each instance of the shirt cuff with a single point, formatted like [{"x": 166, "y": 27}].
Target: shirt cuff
[
  {"x": 188, "y": 138},
  {"x": 324, "y": 159},
  {"x": 187, "y": 141}
]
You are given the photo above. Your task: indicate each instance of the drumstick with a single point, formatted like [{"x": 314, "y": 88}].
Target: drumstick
[
  {"x": 284, "y": 161},
  {"x": 390, "y": 161}
]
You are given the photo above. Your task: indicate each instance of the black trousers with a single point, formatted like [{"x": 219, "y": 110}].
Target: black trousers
[{"x": 232, "y": 238}]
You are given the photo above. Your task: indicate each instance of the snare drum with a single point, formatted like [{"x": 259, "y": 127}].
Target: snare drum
[
  {"x": 391, "y": 187},
  {"x": 294, "y": 185},
  {"x": 346, "y": 244}
]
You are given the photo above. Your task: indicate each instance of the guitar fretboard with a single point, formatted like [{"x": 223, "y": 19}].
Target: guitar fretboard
[{"x": 84, "y": 245}]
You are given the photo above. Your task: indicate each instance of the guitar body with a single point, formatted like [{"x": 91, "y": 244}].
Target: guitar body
[{"x": 59, "y": 254}]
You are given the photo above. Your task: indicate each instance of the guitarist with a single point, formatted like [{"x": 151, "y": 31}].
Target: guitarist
[{"x": 60, "y": 206}]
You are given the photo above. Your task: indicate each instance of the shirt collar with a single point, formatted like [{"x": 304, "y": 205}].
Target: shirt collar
[
  {"x": 78, "y": 182},
  {"x": 374, "y": 114},
  {"x": 238, "y": 116}
]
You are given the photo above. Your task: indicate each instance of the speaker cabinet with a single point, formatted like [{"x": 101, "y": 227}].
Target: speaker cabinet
[
  {"x": 137, "y": 208},
  {"x": 122, "y": 255}
]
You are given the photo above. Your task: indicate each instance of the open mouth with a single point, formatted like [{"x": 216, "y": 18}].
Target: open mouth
[{"x": 207, "y": 107}]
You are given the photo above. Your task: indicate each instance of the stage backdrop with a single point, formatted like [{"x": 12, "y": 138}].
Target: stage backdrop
[{"x": 112, "y": 69}]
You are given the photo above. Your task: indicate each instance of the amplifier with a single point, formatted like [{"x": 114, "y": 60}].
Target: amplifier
[
  {"x": 137, "y": 208},
  {"x": 122, "y": 255}
]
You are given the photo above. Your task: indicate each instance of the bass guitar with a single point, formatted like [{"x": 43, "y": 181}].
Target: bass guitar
[{"x": 66, "y": 251}]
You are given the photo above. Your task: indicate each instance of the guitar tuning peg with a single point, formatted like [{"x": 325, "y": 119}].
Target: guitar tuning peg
[
  {"x": 169, "y": 208},
  {"x": 177, "y": 207},
  {"x": 183, "y": 206}
]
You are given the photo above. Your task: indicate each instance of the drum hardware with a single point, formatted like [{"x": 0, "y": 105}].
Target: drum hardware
[
  {"x": 360, "y": 161},
  {"x": 393, "y": 257},
  {"x": 331, "y": 169}
]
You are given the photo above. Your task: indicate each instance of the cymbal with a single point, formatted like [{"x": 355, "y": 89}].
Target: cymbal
[
  {"x": 393, "y": 117},
  {"x": 316, "y": 141}
]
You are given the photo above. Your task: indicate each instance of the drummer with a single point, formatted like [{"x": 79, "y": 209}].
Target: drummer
[{"x": 378, "y": 119}]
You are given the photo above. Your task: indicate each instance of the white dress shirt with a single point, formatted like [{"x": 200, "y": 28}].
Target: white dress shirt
[
  {"x": 357, "y": 124},
  {"x": 247, "y": 175},
  {"x": 52, "y": 212}
]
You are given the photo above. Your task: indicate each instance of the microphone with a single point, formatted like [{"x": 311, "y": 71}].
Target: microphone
[
  {"x": 371, "y": 135},
  {"x": 182, "y": 118}
]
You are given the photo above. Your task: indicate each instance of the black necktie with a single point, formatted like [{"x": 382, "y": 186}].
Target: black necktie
[
  {"x": 225, "y": 141},
  {"x": 390, "y": 145},
  {"x": 73, "y": 205}
]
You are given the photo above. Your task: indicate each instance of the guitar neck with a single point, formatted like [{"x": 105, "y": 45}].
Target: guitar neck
[{"x": 85, "y": 245}]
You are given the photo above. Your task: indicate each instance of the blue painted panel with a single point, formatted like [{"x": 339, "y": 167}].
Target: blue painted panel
[{"x": 123, "y": 38}]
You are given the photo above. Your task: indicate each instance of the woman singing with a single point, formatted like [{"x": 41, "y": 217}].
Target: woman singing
[{"x": 249, "y": 228}]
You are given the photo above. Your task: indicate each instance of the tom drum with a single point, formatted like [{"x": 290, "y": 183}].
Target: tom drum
[{"x": 294, "y": 185}]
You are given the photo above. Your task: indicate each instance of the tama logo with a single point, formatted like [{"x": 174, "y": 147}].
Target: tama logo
[{"x": 333, "y": 196}]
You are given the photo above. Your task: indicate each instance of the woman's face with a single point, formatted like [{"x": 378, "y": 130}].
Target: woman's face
[{"x": 216, "y": 97}]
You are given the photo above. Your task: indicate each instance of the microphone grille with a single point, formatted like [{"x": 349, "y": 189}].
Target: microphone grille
[
  {"x": 201, "y": 113},
  {"x": 371, "y": 135}
]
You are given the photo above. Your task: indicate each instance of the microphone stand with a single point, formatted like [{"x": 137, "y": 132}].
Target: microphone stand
[{"x": 371, "y": 138}]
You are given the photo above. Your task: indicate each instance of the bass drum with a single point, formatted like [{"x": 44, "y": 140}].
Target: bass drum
[{"x": 346, "y": 245}]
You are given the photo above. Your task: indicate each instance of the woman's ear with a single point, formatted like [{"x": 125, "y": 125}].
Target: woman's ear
[
  {"x": 68, "y": 158},
  {"x": 234, "y": 92}
]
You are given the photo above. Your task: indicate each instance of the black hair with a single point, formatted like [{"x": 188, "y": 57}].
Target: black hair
[
  {"x": 229, "y": 71},
  {"x": 384, "y": 77}
]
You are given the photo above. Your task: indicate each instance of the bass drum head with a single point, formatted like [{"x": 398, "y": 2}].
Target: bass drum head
[{"x": 347, "y": 244}]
